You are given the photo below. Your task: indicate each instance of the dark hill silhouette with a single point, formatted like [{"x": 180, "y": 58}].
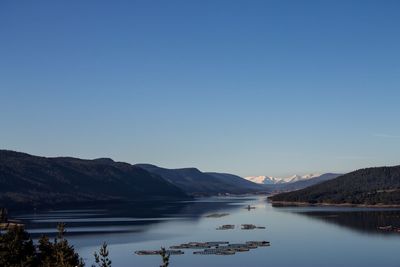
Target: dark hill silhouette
[{"x": 32, "y": 181}]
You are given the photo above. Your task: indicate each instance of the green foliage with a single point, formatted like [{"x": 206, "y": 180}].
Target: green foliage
[
  {"x": 17, "y": 249},
  {"x": 165, "y": 257},
  {"x": 102, "y": 259},
  {"x": 31, "y": 181},
  {"x": 370, "y": 186},
  {"x": 46, "y": 251},
  {"x": 59, "y": 253}
]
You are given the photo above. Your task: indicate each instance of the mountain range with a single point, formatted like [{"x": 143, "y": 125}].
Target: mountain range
[
  {"x": 28, "y": 181},
  {"x": 268, "y": 180},
  {"x": 33, "y": 181},
  {"x": 295, "y": 182},
  {"x": 291, "y": 186}
]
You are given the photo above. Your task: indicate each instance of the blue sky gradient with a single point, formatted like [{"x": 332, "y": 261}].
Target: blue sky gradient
[{"x": 246, "y": 87}]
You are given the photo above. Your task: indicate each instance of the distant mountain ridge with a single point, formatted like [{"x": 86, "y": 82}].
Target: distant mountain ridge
[
  {"x": 280, "y": 180},
  {"x": 370, "y": 186},
  {"x": 283, "y": 187},
  {"x": 195, "y": 182}
]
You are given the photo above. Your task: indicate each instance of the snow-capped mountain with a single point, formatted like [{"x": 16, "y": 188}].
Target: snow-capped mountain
[{"x": 280, "y": 180}]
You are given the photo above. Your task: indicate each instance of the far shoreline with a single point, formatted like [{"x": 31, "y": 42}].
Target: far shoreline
[{"x": 324, "y": 204}]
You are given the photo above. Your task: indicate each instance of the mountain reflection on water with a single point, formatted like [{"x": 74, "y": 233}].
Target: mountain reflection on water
[
  {"x": 121, "y": 218},
  {"x": 365, "y": 220}
]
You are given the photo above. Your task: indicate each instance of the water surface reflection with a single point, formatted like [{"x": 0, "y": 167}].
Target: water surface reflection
[
  {"x": 299, "y": 236},
  {"x": 122, "y": 218},
  {"x": 366, "y": 220}
]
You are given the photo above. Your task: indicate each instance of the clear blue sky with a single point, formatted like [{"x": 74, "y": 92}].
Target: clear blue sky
[{"x": 247, "y": 87}]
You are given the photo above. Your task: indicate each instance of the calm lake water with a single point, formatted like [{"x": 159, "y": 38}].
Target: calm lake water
[{"x": 299, "y": 236}]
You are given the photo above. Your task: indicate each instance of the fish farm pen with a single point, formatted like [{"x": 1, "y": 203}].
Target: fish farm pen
[{"x": 209, "y": 248}]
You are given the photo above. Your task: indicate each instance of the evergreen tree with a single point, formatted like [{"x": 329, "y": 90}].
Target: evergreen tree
[
  {"x": 102, "y": 259},
  {"x": 59, "y": 253},
  {"x": 17, "y": 249},
  {"x": 165, "y": 257},
  {"x": 46, "y": 252}
]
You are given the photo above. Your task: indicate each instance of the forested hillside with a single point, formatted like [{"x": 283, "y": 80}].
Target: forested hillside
[
  {"x": 31, "y": 181},
  {"x": 369, "y": 186}
]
